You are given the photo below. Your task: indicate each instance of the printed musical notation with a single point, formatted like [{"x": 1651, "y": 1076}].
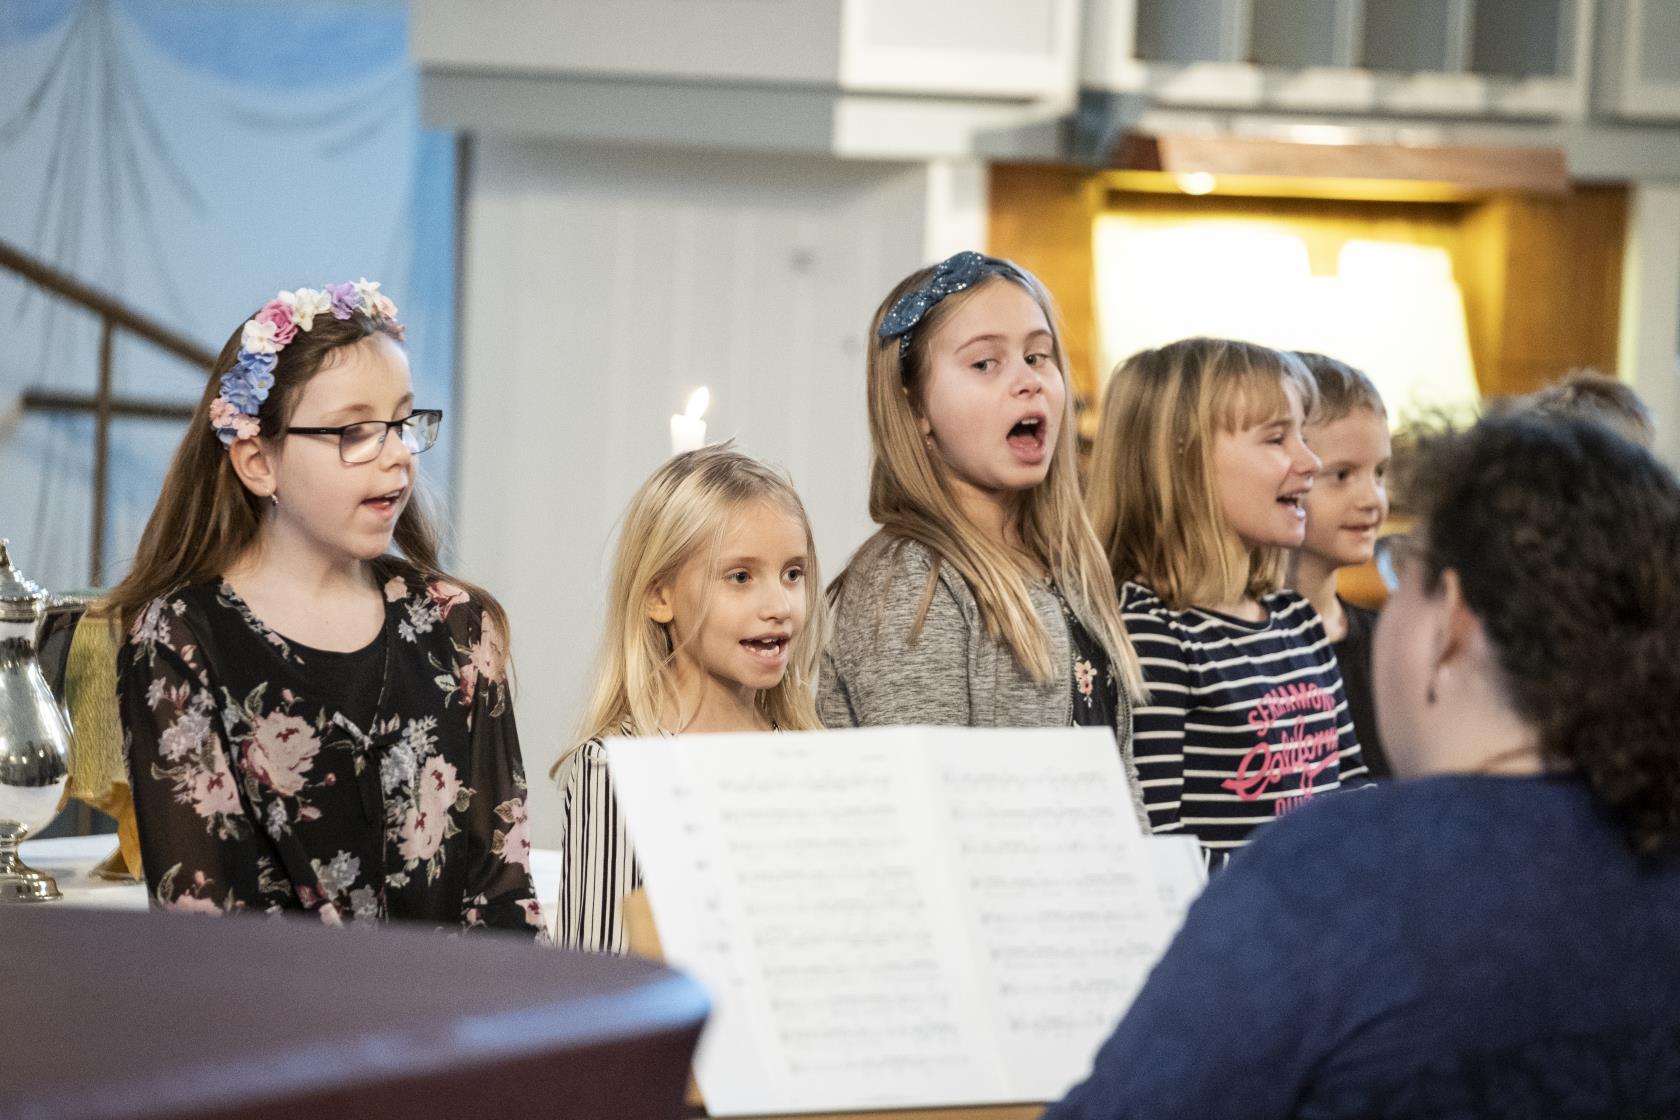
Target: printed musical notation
[{"x": 898, "y": 917}]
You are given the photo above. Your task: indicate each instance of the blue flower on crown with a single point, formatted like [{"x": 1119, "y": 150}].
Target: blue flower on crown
[
  {"x": 253, "y": 367},
  {"x": 241, "y": 394}
]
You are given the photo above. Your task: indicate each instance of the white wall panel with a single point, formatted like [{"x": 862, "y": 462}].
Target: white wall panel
[
  {"x": 600, "y": 286},
  {"x": 1651, "y": 309},
  {"x": 796, "y": 41}
]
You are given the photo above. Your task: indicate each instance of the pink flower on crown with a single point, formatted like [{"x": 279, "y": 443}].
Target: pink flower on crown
[
  {"x": 276, "y": 312},
  {"x": 245, "y": 427},
  {"x": 222, "y": 414},
  {"x": 258, "y": 337},
  {"x": 384, "y": 307}
]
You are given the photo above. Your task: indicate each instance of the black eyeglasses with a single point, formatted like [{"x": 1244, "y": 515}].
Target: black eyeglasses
[{"x": 363, "y": 441}]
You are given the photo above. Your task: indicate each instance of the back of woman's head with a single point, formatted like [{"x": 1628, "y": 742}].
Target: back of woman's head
[
  {"x": 205, "y": 518},
  {"x": 678, "y": 514},
  {"x": 912, "y": 496},
  {"x": 1566, "y": 541},
  {"x": 1153, "y": 493}
]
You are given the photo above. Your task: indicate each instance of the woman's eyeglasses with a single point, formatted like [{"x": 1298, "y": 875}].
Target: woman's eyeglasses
[
  {"x": 1391, "y": 552},
  {"x": 363, "y": 441}
]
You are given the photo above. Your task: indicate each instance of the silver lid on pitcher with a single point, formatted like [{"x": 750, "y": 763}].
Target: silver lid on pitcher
[{"x": 21, "y": 599}]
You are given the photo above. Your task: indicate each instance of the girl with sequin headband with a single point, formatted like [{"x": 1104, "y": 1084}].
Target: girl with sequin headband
[
  {"x": 317, "y": 717},
  {"x": 984, "y": 600}
]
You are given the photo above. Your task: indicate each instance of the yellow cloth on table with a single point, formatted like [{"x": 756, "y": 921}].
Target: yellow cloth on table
[{"x": 97, "y": 773}]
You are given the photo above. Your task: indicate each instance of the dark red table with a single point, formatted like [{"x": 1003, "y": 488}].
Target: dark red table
[{"x": 154, "y": 1015}]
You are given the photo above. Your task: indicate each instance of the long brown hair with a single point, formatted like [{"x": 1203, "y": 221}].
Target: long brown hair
[
  {"x": 205, "y": 519},
  {"x": 911, "y": 498}
]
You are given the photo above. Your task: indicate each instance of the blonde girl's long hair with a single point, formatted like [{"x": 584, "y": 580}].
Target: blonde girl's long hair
[
  {"x": 679, "y": 514},
  {"x": 1153, "y": 491},
  {"x": 911, "y": 498},
  {"x": 205, "y": 519}
]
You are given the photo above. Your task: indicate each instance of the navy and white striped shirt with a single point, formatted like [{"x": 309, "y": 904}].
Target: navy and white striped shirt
[
  {"x": 598, "y": 866},
  {"x": 1245, "y": 720}
]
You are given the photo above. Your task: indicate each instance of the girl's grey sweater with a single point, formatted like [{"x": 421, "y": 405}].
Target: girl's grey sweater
[{"x": 953, "y": 673}]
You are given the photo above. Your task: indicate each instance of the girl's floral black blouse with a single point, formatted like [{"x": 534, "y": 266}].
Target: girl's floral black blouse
[{"x": 255, "y": 788}]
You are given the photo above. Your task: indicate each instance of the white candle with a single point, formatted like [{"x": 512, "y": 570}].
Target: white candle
[{"x": 688, "y": 430}]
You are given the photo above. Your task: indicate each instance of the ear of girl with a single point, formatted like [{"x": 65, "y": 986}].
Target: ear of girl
[
  {"x": 984, "y": 599},
  {"x": 315, "y": 720},
  {"x": 1198, "y": 477},
  {"x": 713, "y": 625}
]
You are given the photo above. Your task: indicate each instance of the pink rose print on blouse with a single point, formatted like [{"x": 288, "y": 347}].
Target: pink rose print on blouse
[
  {"x": 446, "y": 595},
  {"x": 212, "y": 790},
  {"x": 435, "y": 792},
  {"x": 486, "y": 660},
  {"x": 1085, "y": 673},
  {"x": 395, "y": 589},
  {"x": 192, "y": 899},
  {"x": 514, "y": 845},
  {"x": 188, "y": 904},
  {"x": 279, "y": 752}
]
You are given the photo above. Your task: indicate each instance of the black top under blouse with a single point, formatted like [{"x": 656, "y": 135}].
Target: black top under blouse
[{"x": 1096, "y": 692}]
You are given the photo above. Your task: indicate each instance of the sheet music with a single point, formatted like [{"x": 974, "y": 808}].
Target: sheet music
[{"x": 895, "y": 916}]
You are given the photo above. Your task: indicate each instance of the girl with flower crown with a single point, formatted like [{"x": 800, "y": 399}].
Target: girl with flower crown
[{"x": 313, "y": 719}]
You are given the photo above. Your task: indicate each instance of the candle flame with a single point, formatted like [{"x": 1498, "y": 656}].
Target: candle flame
[{"x": 697, "y": 403}]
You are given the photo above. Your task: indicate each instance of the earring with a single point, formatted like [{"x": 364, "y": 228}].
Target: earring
[{"x": 274, "y": 496}]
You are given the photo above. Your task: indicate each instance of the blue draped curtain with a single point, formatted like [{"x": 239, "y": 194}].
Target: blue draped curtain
[{"x": 191, "y": 159}]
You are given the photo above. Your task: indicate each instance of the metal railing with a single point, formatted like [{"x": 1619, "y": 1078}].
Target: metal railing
[{"x": 113, "y": 316}]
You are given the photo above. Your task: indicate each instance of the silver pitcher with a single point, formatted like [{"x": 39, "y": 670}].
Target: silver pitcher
[{"x": 34, "y": 739}]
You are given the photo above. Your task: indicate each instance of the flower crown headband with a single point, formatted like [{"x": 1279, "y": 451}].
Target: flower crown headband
[{"x": 233, "y": 414}]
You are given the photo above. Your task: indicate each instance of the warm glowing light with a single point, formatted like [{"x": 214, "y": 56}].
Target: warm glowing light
[
  {"x": 688, "y": 430},
  {"x": 1197, "y": 182},
  {"x": 1393, "y": 309}
]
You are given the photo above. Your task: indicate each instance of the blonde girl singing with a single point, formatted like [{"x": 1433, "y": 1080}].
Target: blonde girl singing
[{"x": 714, "y": 623}]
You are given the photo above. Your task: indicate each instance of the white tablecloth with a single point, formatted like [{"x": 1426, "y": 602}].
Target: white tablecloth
[{"x": 69, "y": 858}]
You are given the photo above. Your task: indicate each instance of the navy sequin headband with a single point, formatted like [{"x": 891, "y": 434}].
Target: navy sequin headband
[{"x": 951, "y": 275}]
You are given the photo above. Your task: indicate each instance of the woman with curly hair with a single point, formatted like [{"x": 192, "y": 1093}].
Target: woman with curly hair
[{"x": 1500, "y": 934}]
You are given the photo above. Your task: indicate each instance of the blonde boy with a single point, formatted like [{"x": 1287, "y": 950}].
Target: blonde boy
[{"x": 1346, "y": 506}]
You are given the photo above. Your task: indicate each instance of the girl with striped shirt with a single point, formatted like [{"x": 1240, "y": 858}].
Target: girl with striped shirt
[
  {"x": 714, "y": 622},
  {"x": 1196, "y": 492}
]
